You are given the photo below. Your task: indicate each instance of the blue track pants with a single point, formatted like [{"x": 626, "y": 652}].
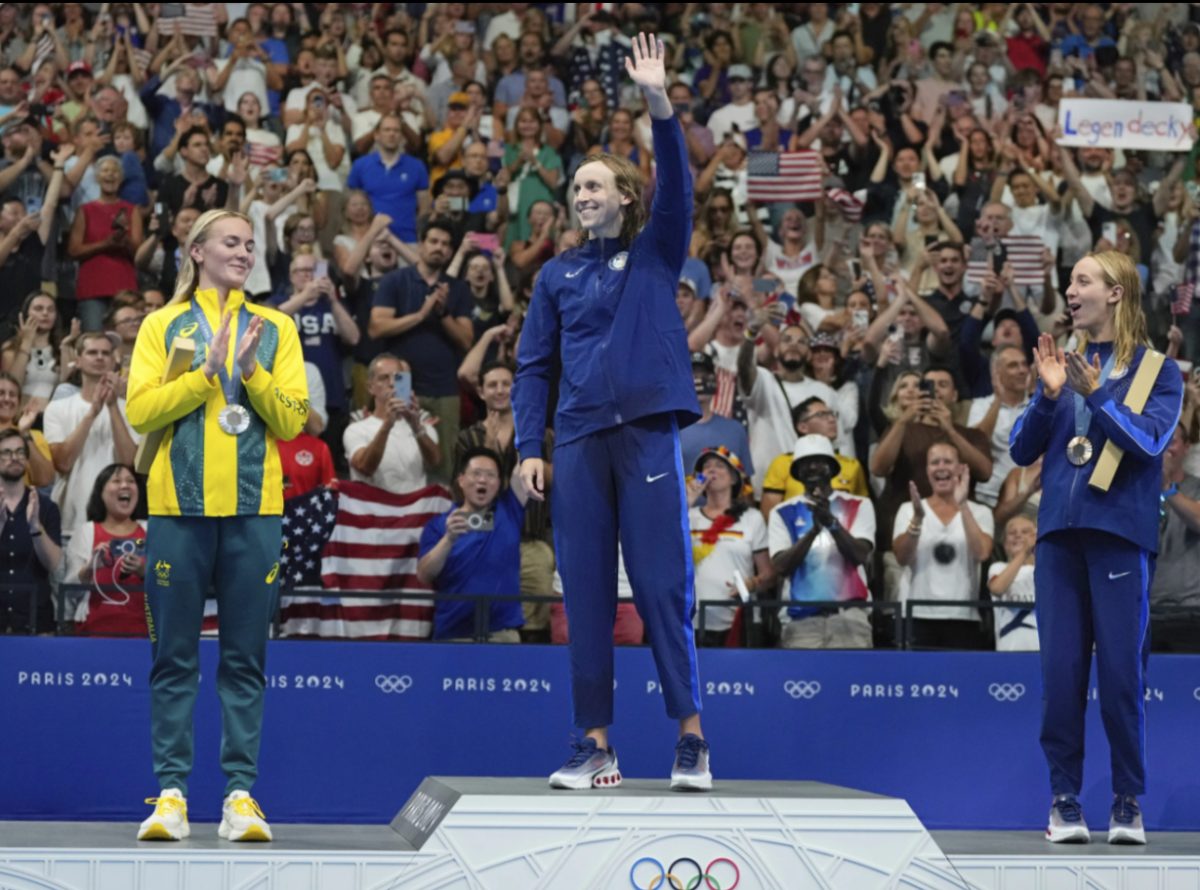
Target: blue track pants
[{"x": 626, "y": 480}]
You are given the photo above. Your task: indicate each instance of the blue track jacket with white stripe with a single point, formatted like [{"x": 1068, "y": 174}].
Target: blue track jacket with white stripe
[
  {"x": 1130, "y": 507},
  {"x": 607, "y": 314}
]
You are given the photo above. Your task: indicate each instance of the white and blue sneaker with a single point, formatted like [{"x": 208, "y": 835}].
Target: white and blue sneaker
[
  {"x": 588, "y": 767},
  {"x": 691, "y": 772},
  {"x": 1066, "y": 824},
  {"x": 1125, "y": 821}
]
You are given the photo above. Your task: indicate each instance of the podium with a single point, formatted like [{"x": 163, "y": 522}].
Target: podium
[{"x": 507, "y": 833}]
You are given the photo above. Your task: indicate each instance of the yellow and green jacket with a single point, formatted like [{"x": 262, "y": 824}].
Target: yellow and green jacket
[{"x": 199, "y": 469}]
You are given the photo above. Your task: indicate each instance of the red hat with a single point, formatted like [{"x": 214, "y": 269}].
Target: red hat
[{"x": 79, "y": 67}]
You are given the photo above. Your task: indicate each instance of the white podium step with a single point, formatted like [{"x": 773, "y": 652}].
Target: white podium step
[
  {"x": 502, "y": 834},
  {"x": 518, "y": 833}
]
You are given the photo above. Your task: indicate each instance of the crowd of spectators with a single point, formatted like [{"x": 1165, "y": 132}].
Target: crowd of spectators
[{"x": 859, "y": 358}]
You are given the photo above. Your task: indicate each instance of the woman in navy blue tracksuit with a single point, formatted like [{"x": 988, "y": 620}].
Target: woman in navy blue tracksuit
[
  {"x": 605, "y": 312},
  {"x": 1096, "y": 547}
]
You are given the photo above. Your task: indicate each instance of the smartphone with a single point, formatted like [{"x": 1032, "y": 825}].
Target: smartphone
[
  {"x": 318, "y": 101},
  {"x": 461, "y": 27},
  {"x": 764, "y": 285},
  {"x": 927, "y": 388},
  {"x": 403, "y": 386},
  {"x": 999, "y": 257},
  {"x": 1108, "y": 232},
  {"x": 277, "y": 174},
  {"x": 918, "y": 180},
  {"x": 158, "y": 208},
  {"x": 322, "y": 269},
  {"x": 855, "y": 266},
  {"x": 457, "y": 203},
  {"x": 861, "y": 318}
]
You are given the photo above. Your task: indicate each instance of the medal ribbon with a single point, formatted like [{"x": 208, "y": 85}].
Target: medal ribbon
[
  {"x": 1083, "y": 414},
  {"x": 231, "y": 386}
]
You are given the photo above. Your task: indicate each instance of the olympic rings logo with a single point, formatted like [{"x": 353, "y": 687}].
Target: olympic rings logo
[
  {"x": 1007, "y": 692},
  {"x": 393, "y": 683},
  {"x": 802, "y": 688},
  {"x": 668, "y": 877}
]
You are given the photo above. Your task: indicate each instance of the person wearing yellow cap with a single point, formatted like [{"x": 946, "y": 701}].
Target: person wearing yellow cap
[
  {"x": 216, "y": 500},
  {"x": 446, "y": 145}
]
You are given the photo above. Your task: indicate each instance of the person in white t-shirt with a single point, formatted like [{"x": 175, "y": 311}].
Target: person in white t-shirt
[
  {"x": 941, "y": 542},
  {"x": 995, "y": 415},
  {"x": 88, "y": 431},
  {"x": 1012, "y": 582},
  {"x": 729, "y": 539},
  {"x": 395, "y": 446}
]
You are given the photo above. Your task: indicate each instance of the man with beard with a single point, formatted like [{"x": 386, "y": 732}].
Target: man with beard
[
  {"x": 29, "y": 530},
  {"x": 770, "y": 398},
  {"x": 424, "y": 316}
]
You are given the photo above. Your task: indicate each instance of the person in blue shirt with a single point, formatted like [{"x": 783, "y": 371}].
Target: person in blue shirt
[
  {"x": 605, "y": 314},
  {"x": 475, "y": 549},
  {"x": 1097, "y": 545},
  {"x": 397, "y": 183}
]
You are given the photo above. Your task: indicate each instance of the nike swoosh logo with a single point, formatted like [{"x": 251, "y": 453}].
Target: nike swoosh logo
[
  {"x": 575, "y": 273},
  {"x": 1112, "y": 577},
  {"x": 650, "y": 478}
]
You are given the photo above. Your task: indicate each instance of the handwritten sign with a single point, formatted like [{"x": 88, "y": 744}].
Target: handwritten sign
[{"x": 1116, "y": 123}]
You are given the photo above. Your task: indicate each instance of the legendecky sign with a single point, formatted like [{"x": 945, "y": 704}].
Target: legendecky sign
[{"x": 1116, "y": 123}]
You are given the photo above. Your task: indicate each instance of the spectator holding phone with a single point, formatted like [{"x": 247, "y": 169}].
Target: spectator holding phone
[
  {"x": 108, "y": 552},
  {"x": 104, "y": 235},
  {"x": 475, "y": 549},
  {"x": 394, "y": 446}
]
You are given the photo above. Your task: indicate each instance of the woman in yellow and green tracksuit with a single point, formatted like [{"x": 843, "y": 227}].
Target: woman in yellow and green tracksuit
[{"x": 216, "y": 499}]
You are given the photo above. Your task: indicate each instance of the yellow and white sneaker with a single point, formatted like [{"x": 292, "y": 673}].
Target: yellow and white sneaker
[
  {"x": 169, "y": 820},
  {"x": 242, "y": 820}
]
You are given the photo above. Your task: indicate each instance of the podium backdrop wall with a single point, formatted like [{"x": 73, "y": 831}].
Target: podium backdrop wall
[{"x": 352, "y": 728}]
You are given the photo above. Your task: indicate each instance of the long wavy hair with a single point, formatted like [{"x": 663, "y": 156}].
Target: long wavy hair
[
  {"x": 629, "y": 184},
  {"x": 1129, "y": 322},
  {"x": 189, "y": 271}
]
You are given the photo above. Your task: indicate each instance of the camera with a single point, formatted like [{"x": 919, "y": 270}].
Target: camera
[{"x": 481, "y": 522}]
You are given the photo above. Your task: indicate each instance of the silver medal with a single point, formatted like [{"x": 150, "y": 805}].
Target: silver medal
[{"x": 234, "y": 420}]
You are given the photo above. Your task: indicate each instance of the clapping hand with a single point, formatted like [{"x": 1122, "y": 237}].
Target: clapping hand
[
  {"x": 918, "y": 505},
  {"x": 1051, "y": 366},
  {"x": 1083, "y": 377},
  {"x": 247, "y": 348}
]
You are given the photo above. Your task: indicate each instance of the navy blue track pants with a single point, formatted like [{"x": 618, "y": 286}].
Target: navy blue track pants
[
  {"x": 1093, "y": 588},
  {"x": 625, "y": 480}
]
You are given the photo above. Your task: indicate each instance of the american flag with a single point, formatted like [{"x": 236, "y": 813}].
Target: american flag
[
  {"x": 723, "y": 398},
  {"x": 1183, "y": 298},
  {"x": 373, "y": 547},
  {"x": 1025, "y": 254},
  {"x": 784, "y": 176},
  {"x": 260, "y": 154},
  {"x": 307, "y": 523},
  {"x": 851, "y": 207},
  {"x": 199, "y": 20},
  {"x": 142, "y": 58}
]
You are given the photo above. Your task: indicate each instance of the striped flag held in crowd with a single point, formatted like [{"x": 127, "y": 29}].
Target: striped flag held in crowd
[
  {"x": 373, "y": 546},
  {"x": 847, "y": 202},
  {"x": 260, "y": 154},
  {"x": 784, "y": 176},
  {"x": 1024, "y": 252},
  {"x": 198, "y": 20},
  {"x": 1184, "y": 292}
]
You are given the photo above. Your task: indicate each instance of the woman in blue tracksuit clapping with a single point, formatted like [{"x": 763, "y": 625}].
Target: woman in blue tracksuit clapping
[{"x": 1097, "y": 531}]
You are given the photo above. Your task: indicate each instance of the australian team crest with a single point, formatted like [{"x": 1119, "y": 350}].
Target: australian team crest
[{"x": 617, "y": 263}]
